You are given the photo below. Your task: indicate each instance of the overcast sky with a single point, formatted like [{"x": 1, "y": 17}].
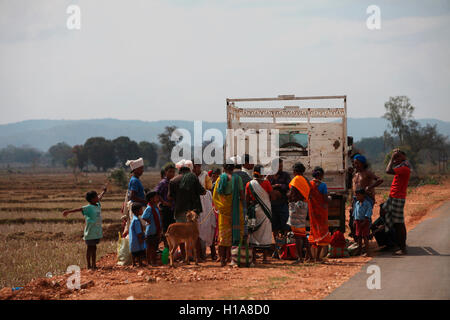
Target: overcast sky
[{"x": 180, "y": 59}]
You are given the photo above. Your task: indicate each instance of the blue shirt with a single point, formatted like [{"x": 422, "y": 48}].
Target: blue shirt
[
  {"x": 150, "y": 230},
  {"x": 362, "y": 210},
  {"x": 136, "y": 185},
  {"x": 135, "y": 229},
  {"x": 323, "y": 188}
]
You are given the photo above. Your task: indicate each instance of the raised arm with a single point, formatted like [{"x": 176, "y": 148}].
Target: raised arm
[
  {"x": 389, "y": 168},
  {"x": 66, "y": 212},
  {"x": 105, "y": 188},
  {"x": 376, "y": 181}
]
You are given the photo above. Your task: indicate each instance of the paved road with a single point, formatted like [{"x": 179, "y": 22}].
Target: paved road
[{"x": 423, "y": 274}]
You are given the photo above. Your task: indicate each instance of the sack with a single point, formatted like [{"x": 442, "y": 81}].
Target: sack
[
  {"x": 289, "y": 252},
  {"x": 241, "y": 255},
  {"x": 123, "y": 251},
  {"x": 353, "y": 249},
  {"x": 338, "y": 252},
  {"x": 384, "y": 238}
]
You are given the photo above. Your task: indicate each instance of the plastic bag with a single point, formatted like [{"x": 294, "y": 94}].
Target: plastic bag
[
  {"x": 123, "y": 251},
  {"x": 241, "y": 255}
]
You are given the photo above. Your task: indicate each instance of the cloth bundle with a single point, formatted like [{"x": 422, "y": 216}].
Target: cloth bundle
[{"x": 338, "y": 246}]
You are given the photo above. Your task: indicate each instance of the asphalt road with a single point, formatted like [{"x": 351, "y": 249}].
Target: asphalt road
[{"x": 423, "y": 274}]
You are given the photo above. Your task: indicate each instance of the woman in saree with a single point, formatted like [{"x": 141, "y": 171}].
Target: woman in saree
[
  {"x": 259, "y": 212},
  {"x": 228, "y": 196},
  {"x": 318, "y": 214}
]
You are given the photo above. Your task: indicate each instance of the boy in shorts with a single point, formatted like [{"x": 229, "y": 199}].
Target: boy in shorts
[
  {"x": 136, "y": 235},
  {"x": 153, "y": 231},
  {"x": 93, "y": 231},
  {"x": 362, "y": 214}
]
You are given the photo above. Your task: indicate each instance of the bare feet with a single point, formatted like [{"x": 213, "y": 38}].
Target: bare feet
[{"x": 400, "y": 252}]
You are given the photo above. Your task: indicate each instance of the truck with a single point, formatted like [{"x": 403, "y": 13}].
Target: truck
[{"x": 311, "y": 130}]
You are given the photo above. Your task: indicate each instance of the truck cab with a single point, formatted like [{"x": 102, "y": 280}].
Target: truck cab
[{"x": 311, "y": 130}]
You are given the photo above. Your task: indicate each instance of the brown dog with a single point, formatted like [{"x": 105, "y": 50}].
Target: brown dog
[{"x": 186, "y": 232}]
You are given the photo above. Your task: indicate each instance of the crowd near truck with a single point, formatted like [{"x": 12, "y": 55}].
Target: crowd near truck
[{"x": 311, "y": 130}]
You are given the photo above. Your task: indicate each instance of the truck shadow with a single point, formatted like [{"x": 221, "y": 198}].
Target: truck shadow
[{"x": 414, "y": 251}]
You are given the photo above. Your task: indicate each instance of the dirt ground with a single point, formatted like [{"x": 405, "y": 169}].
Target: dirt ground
[{"x": 280, "y": 279}]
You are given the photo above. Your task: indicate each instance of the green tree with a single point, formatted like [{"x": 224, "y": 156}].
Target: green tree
[
  {"x": 119, "y": 177},
  {"x": 24, "y": 154},
  {"x": 399, "y": 114},
  {"x": 125, "y": 149},
  {"x": 166, "y": 144},
  {"x": 149, "y": 151},
  {"x": 374, "y": 148},
  {"x": 101, "y": 153},
  {"x": 80, "y": 155},
  {"x": 421, "y": 143},
  {"x": 73, "y": 163},
  {"x": 60, "y": 153}
]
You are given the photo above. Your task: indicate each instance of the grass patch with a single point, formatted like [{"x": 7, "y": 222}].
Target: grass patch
[{"x": 23, "y": 260}]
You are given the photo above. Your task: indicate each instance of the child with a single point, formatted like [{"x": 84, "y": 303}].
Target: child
[
  {"x": 153, "y": 231},
  {"x": 362, "y": 213},
  {"x": 298, "y": 210},
  {"x": 93, "y": 231},
  {"x": 135, "y": 235}
]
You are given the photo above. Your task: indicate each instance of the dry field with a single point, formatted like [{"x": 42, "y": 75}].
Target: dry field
[{"x": 35, "y": 238}]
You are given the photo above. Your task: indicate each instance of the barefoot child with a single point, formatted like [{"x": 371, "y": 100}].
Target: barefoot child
[
  {"x": 93, "y": 230},
  {"x": 298, "y": 209},
  {"x": 362, "y": 214},
  {"x": 136, "y": 235},
  {"x": 153, "y": 231}
]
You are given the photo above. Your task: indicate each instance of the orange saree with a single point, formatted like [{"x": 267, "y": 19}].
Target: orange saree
[{"x": 318, "y": 217}]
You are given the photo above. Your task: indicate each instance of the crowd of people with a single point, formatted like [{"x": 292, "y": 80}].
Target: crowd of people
[{"x": 239, "y": 205}]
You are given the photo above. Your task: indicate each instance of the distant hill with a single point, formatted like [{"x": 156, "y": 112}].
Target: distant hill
[{"x": 42, "y": 134}]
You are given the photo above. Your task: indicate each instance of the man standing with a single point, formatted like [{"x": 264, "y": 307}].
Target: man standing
[
  {"x": 185, "y": 190},
  {"x": 248, "y": 165},
  {"x": 135, "y": 192},
  {"x": 280, "y": 208},
  {"x": 394, "y": 206},
  {"x": 166, "y": 206}
]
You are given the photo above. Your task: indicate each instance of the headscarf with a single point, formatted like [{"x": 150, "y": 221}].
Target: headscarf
[
  {"x": 184, "y": 163},
  {"x": 188, "y": 181},
  {"x": 360, "y": 158},
  {"x": 222, "y": 183},
  {"x": 302, "y": 185}
]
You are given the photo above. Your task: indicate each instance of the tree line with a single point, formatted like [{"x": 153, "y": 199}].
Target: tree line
[
  {"x": 102, "y": 153},
  {"x": 422, "y": 144}
]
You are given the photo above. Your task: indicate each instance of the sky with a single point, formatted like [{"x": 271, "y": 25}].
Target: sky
[{"x": 180, "y": 59}]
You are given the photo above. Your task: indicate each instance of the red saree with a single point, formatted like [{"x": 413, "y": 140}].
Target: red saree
[{"x": 318, "y": 217}]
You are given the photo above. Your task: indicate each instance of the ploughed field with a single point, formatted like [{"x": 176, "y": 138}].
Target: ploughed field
[{"x": 36, "y": 239}]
